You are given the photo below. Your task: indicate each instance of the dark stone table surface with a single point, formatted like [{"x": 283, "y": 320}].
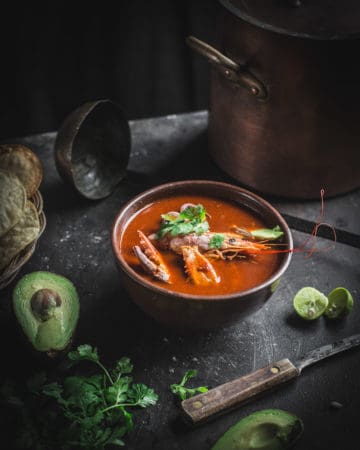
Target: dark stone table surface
[{"x": 76, "y": 244}]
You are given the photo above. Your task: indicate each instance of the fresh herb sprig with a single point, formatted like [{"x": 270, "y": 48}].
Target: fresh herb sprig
[
  {"x": 184, "y": 392},
  {"x": 82, "y": 411},
  {"x": 191, "y": 220},
  {"x": 216, "y": 241}
]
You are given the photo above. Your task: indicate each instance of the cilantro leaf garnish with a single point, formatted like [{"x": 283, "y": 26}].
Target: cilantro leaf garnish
[
  {"x": 122, "y": 367},
  {"x": 84, "y": 352},
  {"x": 142, "y": 396},
  {"x": 191, "y": 220},
  {"x": 216, "y": 241},
  {"x": 184, "y": 392}
]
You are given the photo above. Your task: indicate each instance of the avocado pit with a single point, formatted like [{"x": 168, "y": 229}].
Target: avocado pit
[{"x": 44, "y": 302}]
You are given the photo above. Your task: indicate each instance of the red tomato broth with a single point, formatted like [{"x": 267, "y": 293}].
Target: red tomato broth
[{"x": 236, "y": 275}]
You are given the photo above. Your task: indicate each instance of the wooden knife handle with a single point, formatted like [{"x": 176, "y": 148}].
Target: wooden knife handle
[{"x": 232, "y": 394}]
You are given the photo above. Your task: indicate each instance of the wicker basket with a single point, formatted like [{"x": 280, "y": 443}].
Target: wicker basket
[{"x": 11, "y": 270}]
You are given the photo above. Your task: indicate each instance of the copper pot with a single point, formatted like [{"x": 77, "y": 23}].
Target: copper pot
[{"x": 285, "y": 95}]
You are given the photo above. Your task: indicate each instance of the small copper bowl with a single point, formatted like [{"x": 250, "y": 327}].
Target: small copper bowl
[
  {"x": 184, "y": 311},
  {"x": 92, "y": 148}
]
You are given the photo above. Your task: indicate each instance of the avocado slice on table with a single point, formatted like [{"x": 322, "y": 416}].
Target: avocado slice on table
[
  {"x": 46, "y": 306},
  {"x": 268, "y": 429}
]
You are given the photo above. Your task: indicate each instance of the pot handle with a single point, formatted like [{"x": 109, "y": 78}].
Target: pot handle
[{"x": 229, "y": 68}]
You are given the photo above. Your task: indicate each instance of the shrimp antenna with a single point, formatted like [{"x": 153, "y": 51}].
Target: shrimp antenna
[{"x": 313, "y": 236}]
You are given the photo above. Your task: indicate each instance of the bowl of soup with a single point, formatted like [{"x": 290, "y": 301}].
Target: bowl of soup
[{"x": 200, "y": 254}]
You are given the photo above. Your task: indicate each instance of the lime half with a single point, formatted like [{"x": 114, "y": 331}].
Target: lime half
[
  {"x": 340, "y": 302},
  {"x": 310, "y": 303}
]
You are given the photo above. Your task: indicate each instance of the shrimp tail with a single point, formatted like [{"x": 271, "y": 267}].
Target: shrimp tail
[{"x": 198, "y": 267}]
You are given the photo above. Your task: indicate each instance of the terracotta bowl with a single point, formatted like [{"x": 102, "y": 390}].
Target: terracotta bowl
[{"x": 184, "y": 311}]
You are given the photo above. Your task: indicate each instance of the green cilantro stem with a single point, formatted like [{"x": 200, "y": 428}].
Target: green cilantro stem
[
  {"x": 105, "y": 371},
  {"x": 119, "y": 405}
]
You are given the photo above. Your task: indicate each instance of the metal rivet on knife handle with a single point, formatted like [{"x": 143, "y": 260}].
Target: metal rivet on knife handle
[{"x": 232, "y": 394}]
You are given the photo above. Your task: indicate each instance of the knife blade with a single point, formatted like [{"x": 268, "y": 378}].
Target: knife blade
[
  {"x": 232, "y": 394},
  {"x": 307, "y": 226}
]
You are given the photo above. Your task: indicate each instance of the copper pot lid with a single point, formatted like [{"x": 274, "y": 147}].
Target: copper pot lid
[{"x": 313, "y": 19}]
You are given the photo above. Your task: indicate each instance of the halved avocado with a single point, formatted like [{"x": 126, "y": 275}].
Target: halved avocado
[
  {"x": 46, "y": 306},
  {"x": 269, "y": 429}
]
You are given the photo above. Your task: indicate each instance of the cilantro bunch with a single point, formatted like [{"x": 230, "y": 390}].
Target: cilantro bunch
[
  {"x": 191, "y": 220},
  {"x": 82, "y": 411}
]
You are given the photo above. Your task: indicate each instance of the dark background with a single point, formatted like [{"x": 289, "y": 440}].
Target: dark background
[{"x": 56, "y": 56}]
